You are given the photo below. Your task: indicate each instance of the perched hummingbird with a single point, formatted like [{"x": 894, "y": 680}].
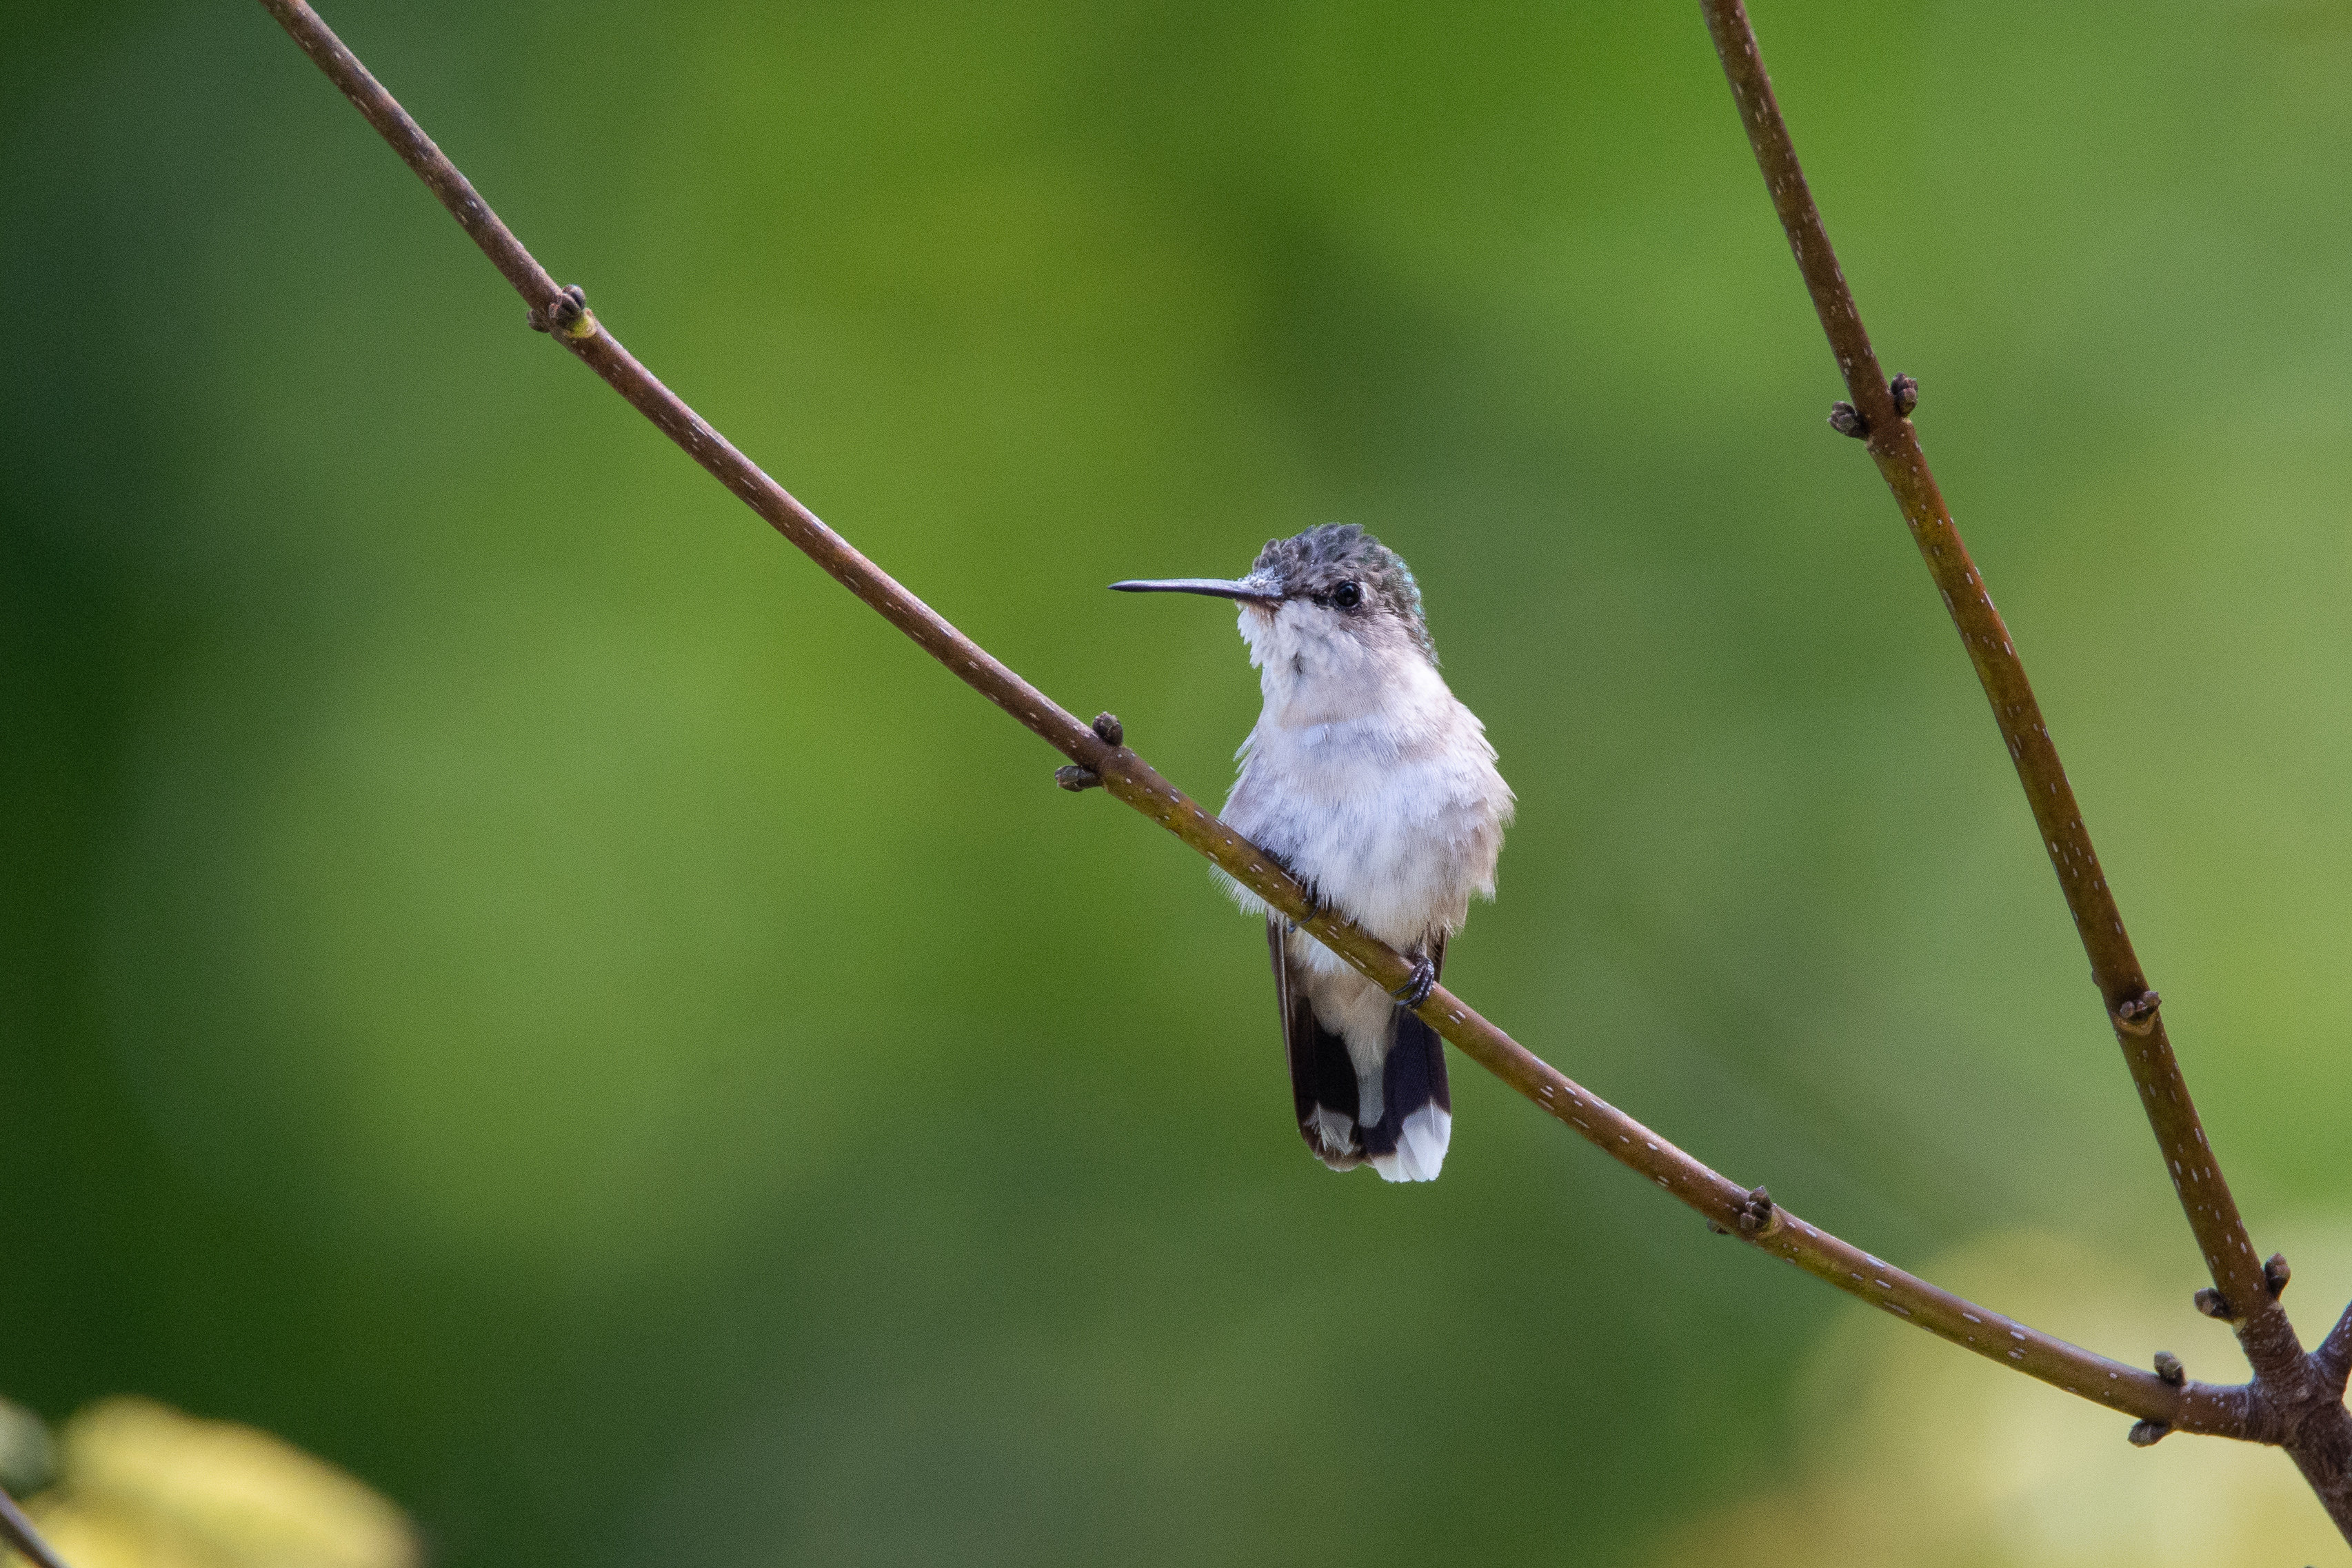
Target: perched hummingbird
[{"x": 1377, "y": 789}]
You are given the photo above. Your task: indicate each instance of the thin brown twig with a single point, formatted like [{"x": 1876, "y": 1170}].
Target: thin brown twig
[
  {"x": 1892, "y": 442},
  {"x": 2333, "y": 1359},
  {"x": 1097, "y": 749},
  {"x": 2248, "y": 1296},
  {"x": 18, "y": 1532}
]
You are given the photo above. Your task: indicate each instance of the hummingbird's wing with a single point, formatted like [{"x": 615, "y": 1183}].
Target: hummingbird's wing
[
  {"x": 1409, "y": 1142},
  {"x": 1322, "y": 1076}
]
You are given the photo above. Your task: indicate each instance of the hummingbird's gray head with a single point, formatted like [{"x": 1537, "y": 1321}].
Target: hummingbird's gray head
[{"x": 1333, "y": 583}]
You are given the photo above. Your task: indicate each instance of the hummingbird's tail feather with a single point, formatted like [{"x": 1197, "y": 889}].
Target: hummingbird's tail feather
[
  {"x": 1416, "y": 1123},
  {"x": 1322, "y": 1074},
  {"x": 1392, "y": 1108},
  {"x": 1327, "y": 1116}
]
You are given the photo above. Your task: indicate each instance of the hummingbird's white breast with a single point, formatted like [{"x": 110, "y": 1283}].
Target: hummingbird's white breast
[{"x": 1366, "y": 776}]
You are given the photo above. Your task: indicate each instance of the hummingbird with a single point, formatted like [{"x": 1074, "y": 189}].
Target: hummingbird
[{"x": 1374, "y": 787}]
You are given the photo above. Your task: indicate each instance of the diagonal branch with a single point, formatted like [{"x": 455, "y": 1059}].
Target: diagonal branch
[
  {"x": 1097, "y": 750},
  {"x": 2285, "y": 1398},
  {"x": 20, "y": 1535},
  {"x": 2333, "y": 1360},
  {"x": 2131, "y": 1006}
]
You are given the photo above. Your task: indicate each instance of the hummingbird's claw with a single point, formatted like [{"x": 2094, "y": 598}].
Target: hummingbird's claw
[{"x": 1419, "y": 985}]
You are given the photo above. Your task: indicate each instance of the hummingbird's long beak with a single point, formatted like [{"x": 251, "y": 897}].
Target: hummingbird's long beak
[{"x": 1215, "y": 587}]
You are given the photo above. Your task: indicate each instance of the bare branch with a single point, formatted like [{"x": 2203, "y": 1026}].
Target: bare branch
[
  {"x": 2290, "y": 1401},
  {"x": 1096, "y": 751},
  {"x": 2333, "y": 1360},
  {"x": 2131, "y": 1006},
  {"x": 18, "y": 1532}
]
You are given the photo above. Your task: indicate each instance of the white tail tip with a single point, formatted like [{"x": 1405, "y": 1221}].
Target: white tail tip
[{"x": 1421, "y": 1147}]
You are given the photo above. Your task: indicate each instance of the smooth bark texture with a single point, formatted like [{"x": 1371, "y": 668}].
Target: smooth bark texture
[
  {"x": 1097, "y": 754},
  {"x": 2290, "y": 1395}
]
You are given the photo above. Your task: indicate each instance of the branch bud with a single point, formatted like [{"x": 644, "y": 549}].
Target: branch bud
[
  {"x": 2136, "y": 1014},
  {"x": 567, "y": 313},
  {"x": 2148, "y": 1433},
  {"x": 1847, "y": 420},
  {"x": 2168, "y": 1368},
  {"x": 1907, "y": 394},
  {"x": 2275, "y": 1274},
  {"x": 2213, "y": 1304}
]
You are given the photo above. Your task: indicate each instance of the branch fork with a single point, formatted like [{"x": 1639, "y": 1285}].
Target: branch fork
[{"x": 2293, "y": 1400}]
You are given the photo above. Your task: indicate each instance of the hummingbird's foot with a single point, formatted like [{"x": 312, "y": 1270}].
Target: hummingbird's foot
[{"x": 1417, "y": 986}]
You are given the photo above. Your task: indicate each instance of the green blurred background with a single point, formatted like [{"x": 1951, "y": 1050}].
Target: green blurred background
[{"x": 513, "y": 979}]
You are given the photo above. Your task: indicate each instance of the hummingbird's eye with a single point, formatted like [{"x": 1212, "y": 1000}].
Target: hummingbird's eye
[{"x": 1347, "y": 595}]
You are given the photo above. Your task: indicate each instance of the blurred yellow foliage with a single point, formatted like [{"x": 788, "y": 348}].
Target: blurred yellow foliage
[
  {"x": 140, "y": 1485},
  {"x": 1926, "y": 1456}
]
